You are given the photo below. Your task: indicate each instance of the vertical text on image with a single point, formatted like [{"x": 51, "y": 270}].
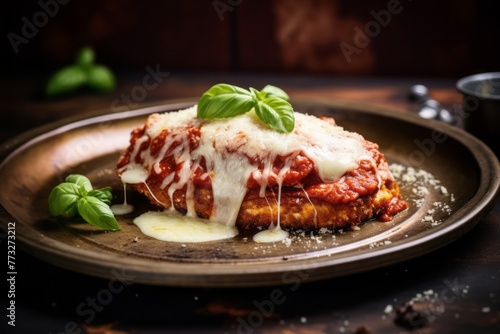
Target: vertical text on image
[{"x": 11, "y": 273}]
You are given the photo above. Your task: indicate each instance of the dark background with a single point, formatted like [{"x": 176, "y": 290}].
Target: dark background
[
  {"x": 426, "y": 38},
  {"x": 254, "y": 42}
]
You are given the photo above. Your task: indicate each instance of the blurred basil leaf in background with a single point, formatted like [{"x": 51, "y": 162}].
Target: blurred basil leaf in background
[{"x": 83, "y": 74}]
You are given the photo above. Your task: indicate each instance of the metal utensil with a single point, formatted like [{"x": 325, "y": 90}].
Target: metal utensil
[{"x": 429, "y": 108}]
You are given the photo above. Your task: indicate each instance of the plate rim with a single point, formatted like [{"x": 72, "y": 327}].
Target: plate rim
[{"x": 489, "y": 191}]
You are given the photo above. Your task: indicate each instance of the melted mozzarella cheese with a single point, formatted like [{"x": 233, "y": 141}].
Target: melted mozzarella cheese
[
  {"x": 134, "y": 173},
  {"x": 172, "y": 226},
  {"x": 124, "y": 208},
  {"x": 156, "y": 123},
  {"x": 273, "y": 234},
  {"x": 229, "y": 146},
  {"x": 333, "y": 150}
]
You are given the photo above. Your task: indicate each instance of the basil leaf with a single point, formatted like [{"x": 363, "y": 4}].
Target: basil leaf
[
  {"x": 85, "y": 57},
  {"x": 72, "y": 211},
  {"x": 100, "y": 78},
  {"x": 66, "y": 81},
  {"x": 270, "y": 104},
  {"x": 273, "y": 91},
  {"x": 277, "y": 113},
  {"x": 76, "y": 196},
  {"x": 79, "y": 180},
  {"x": 223, "y": 101},
  {"x": 63, "y": 199},
  {"x": 83, "y": 73},
  {"x": 97, "y": 213},
  {"x": 256, "y": 94},
  {"x": 103, "y": 194}
]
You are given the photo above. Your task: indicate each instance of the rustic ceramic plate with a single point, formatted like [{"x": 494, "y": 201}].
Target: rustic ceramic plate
[{"x": 449, "y": 178}]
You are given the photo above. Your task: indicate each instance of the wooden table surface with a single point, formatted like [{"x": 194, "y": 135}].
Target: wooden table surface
[{"x": 455, "y": 289}]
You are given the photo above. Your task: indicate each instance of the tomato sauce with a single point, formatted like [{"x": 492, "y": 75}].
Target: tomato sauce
[{"x": 301, "y": 178}]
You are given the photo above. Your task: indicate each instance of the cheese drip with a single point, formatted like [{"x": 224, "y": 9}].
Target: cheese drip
[
  {"x": 229, "y": 146},
  {"x": 174, "y": 227},
  {"x": 133, "y": 174},
  {"x": 124, "y": 208}
]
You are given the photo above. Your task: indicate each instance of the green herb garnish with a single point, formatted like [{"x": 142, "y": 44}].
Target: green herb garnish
[
  {"x": 84, "y": 73},
  {"x": 271, "y": 105},
  {"x": 76, "y": 197}
]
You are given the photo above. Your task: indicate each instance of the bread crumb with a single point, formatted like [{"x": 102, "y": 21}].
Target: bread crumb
[{"x": 420, "y": 182}]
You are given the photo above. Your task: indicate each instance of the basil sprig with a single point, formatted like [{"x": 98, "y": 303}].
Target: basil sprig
[
  {"x": 76, "y": 197},
  {"x": 84, "y": 73},
  {"x": 270, "y": 104}
]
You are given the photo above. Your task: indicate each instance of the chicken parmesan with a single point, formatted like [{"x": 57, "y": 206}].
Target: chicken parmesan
[{"x": 239, "y": 172}]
